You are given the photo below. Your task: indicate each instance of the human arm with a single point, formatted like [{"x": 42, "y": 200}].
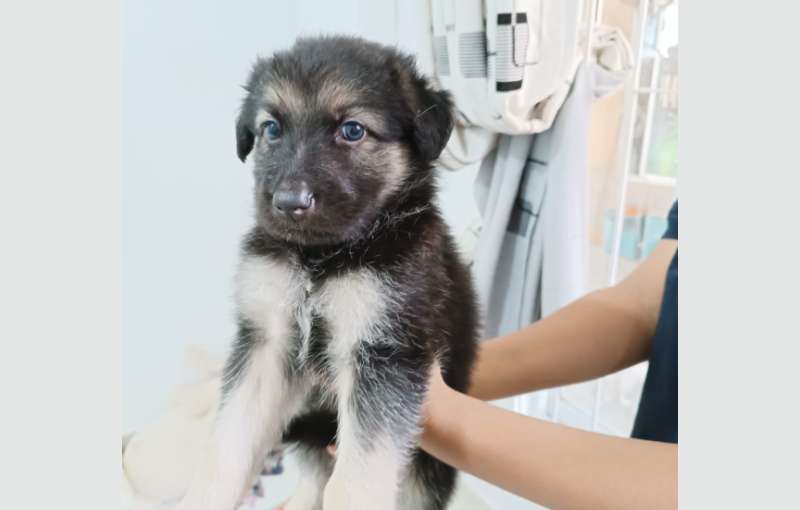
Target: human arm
[
  {"x": 554, "y": 465},
  {"x": 601, "y": 333}
]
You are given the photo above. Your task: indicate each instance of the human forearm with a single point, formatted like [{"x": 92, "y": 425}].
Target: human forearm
[
  {"x": 603, "y": 332},
  {"x": 557, "y": 466},
  {"x": 589, "y": 338}
]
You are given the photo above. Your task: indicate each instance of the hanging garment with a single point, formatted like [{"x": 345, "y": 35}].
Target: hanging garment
[
  {"x": 508, "y": 63},
  {"x": 496, "y": 186},
  {"x": 508, "y": 263},
  {"x": 565, "y": 211},
  {"x": 613, "y": 57},
  {"x": 473, "y": 139},
  {"x": 533, "y": 191}
]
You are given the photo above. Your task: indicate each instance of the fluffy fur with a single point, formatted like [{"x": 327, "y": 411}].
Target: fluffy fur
[{"x": 344, "y": 305}]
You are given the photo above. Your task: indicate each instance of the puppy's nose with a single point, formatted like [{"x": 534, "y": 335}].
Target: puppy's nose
[{"x": 296, "y": 202}]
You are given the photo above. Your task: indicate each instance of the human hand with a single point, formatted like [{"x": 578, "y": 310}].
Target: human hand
[{"x": 437, "y": 391}]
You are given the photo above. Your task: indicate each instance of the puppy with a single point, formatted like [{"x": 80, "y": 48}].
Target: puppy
[{"x": 349, "y": 286}]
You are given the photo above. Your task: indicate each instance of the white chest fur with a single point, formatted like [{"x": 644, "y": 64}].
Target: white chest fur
[{"x": 277, "y": 295}]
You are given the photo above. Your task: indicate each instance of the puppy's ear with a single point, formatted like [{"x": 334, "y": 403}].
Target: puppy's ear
[
  {"x": 433, "y": 120},
  {"x": 245, "y": 138},
  {"x": 245, "y": 124}
]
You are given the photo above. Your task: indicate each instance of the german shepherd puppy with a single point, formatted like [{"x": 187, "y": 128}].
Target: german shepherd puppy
[{"x": 349, "y": 286}]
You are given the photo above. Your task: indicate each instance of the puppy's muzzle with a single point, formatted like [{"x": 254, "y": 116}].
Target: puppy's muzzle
[{"x": 296, "y": 201}]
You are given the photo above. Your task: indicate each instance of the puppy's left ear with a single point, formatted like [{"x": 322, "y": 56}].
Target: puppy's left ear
[
  {"x": 245, "y": 138},
  {"x": 433, "y": 120}
]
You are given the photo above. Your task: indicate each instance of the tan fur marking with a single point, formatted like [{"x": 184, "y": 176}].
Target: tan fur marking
[
  {"x": 334, "y": 94},
  {"x": 387, "y": 159},
  {"x": 282, "y": 94}
]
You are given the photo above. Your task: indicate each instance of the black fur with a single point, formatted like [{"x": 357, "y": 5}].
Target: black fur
[{"x": 361, "y": 221}]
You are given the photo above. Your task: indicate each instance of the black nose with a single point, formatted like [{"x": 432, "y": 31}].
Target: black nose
[{"x": 295, "y": 201}]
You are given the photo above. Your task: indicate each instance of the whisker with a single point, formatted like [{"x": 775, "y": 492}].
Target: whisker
[{"x": 426, "y": 110}]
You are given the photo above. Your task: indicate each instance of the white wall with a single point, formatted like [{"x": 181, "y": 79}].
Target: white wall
[{"x": 186, "y": 197}]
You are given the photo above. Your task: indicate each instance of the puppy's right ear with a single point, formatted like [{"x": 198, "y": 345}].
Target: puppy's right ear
[{"x": 245, "y": 138}]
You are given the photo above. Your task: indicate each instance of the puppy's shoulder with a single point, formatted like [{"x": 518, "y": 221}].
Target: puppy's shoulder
[{"x": 256, "y": 243}]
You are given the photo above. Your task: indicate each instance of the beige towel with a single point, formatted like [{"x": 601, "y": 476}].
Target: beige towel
[{"x": 158, "y": 460}]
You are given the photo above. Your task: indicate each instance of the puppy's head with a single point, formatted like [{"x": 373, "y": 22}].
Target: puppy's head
[{"x": 339, "y": 129}]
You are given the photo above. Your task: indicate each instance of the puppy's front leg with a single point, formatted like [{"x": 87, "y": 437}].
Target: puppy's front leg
[
  {"x": 251, "y": 417},
  {"x": 380, "y": 394}
]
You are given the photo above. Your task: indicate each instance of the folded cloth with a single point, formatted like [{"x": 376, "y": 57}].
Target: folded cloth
[
  {"x": 613, "y": 57},
  {"x": 158, "y": 461}
]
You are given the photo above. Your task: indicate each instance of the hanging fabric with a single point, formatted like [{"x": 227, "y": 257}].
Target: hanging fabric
[
  {"x": 530, "y": 258},
  {"x": 508, "y": 63},
  {"x": 613, "y": 57}
]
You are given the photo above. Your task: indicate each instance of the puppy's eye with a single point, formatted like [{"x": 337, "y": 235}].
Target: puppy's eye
[
  {"x": 353, "y": 131},
  {"x": 271, "y": 130}
]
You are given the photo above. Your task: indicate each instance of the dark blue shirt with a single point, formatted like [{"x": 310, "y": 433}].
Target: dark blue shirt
[{"x": 657, "y": 418}]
